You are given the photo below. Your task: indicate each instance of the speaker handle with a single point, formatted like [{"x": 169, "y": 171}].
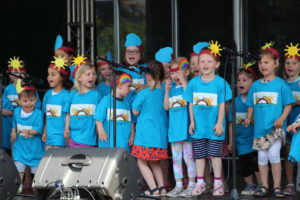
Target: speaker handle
[{"x": 77, "y": 161}]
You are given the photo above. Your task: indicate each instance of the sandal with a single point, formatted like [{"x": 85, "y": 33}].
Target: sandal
[
  {"x": 278, "y": 192},
  {"x": 150, "y": 193},
  {"x": 161, "y": 189},
  {"x": 289, "y": 190},
  {"x": 262, "y": 192}
]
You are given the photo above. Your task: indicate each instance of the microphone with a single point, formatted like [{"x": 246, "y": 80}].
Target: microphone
[{"x": 244, "y": 54}]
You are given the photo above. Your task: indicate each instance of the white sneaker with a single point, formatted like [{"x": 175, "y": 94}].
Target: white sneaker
[
  {"x": 188, "y": 192},
  {"x": 249, "y": 190},
  {"x": 175, "y": 191}
]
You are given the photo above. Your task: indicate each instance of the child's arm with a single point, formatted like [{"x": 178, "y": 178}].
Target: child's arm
[
  {"x": 132, "y": 133},
  {"x": 286, "y": 111},
  {"x": 7, "y": 113},
  {"x": 293, "y": 127},
  {"x": 167, "y": 91},
  {"x": 219, "y": 127},
  {"x": 101, "y": 132},
  {"x": 44, "y": 137},
  {"x": 135, "y": 112},
  {"x": 13, "y": 135},
  {"x": 230, "y": 130},
  {"x": 192, "y": 123},
  {"x": 248, "y": 117},
  {"x": 67, "y": 126}
]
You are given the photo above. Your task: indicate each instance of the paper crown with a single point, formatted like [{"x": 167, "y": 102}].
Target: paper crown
[
  {"x": 183, "y": 63},
  {"x": 213, "y": 49},
  {"x": 268, "y": 47},
  {"x": 197, "y": 48},
  {"x": 78, "y": 62},
  {"x": 59, "y": 45},
  {"x": 249, "y": 68},
  {"x": 124, "y": 78},
  {"x": 164, "y": 55},
  {"x": 292, "y": 51},
  {"x": 16, "y": 65},
  {"x": 19, "y": 87},
  {"x": 60, "y": 64},
  {"x": 133, "y": 39}
]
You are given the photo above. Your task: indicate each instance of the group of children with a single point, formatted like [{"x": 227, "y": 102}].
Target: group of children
[{"x": 168, "y": 102}]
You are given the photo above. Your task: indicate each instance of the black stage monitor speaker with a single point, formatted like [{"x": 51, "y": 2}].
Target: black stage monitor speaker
[
  {"x": 9, "y": 177},
  {"x": 107, "y": 173}
]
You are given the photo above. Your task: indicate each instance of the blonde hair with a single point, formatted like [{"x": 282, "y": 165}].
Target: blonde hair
[{"x": 83, "y": 68}]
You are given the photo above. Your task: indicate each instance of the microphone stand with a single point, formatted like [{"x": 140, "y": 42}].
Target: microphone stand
[{"x": 115, "y": 67}]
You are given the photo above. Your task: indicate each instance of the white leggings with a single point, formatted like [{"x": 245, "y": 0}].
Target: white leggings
[{"x": 272, "y": 154}]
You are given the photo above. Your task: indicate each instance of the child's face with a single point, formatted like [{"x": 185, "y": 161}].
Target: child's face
[
  {"x": 54, "y": 78},
  {"x": 105, "y": 71},
  {"x": 88, "y": 78},
  {"x": 195, "y": 66},
  {"x": 132, "y": 55},
  {"x": 27, "y": 103},
  {"x": 166, "y": 69},
  {"x": 208, "y": 64},
  {"x": 292, "y": 67},
  {"x": 175, "y": 76},
  {"x": 62, "y": 53},
  {"x": 124, "y": 89},
  {"x": 243, "y": 83},
  {"x": 149, "y": 78},
  {"x": 267, "y": 65}
]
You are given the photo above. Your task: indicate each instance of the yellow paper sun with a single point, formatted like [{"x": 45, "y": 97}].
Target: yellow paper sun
[
  {"x": 215, "y": 48},
  {"x": 15, "y": 63},
  {"x": 246, "y": 65},
  {"x": 79, "y": 60},
  {"x": 59, "y": 62},
  {"x": 292, "y": 51},
  {"x": 268, "y": 45}
]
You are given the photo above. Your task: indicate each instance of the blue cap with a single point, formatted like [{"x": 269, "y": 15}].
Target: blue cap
[
  {"x": 164, "y": 55},
  {"x": 133, "y": 39},
  {"x": 109, "y": 56},
  {"x": 199, "y": 46},
  {"x": 58, "y": 42}
]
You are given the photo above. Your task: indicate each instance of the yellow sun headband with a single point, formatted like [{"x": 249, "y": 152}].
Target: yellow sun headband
[
  {"x": 292, "y": 51},
  {"x": 213, "y": 49},
  {"x": 269, "y": 47},
  {"x": 19, "y": 87},
  {"x": 60, "y": 64},
  {"x": 78, "y": 61},
  {"x": 16, "y": 65}
]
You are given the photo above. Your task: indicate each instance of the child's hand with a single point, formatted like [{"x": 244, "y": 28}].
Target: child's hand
[
  {"x": 192, "y": 128},
  {"x": 168, "y": 85},
  {"x": 44, "y": 137},
  {"x": 246, "y": 122},
  {"x": 25, "y": 133},
  {"x": 130, "y": 142},
  {"x": 229, "y": 147},
  {"x": 102, "y": 136},
  {"x": 13, "y": 136},
  {"x": 182, "y": 76},
  {"x": 67, "y": 133},
  {"x": 278, "y": 123},
  {"x": 218, "y": 129},
  {"x": 292, "y": 128}
]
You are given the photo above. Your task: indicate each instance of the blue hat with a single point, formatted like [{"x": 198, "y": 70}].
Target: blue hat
[
  {"x": 164, "y": 55},
  {"x": 133, "y": 39},
  {"x": 58, "y": 42},
  {"x": 199, "y": 46},
  {"x": 109, "y": 56}
]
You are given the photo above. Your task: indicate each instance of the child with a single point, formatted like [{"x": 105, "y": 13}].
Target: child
[
  {"x": 66, "y": 50},
  {"x": 244, "y": 136},
  {"x": 294, "y": 155},
  {"x": 105, "y": 76},
  {"x": 194, "y": 58},
  {"x": 27, "y": 127},
  {"x": 54, "y": 99},
  {"x": 10, "y": 98},
  {"x": 150, "y": 142},
  {"x": 178, "y": 134},
  {"x": 104, "y": 116},
  {"x": 292, "y": 70},
  {"x": 270, "y": 99},
  {"x": 80, "y": 126},
  {"x": 207, "y": 95}
]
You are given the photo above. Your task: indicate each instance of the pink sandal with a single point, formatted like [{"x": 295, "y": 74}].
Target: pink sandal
[
  {"x": 218, "y": 189},
  {"x": 198, "y": 189}
]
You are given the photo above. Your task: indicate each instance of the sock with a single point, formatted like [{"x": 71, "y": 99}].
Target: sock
[
  {"x": 179, "y": 184},
  {"x": 217, "y": 180},
  {"x": 200, "y": 179},
  {"x": 191, "y": 184}
]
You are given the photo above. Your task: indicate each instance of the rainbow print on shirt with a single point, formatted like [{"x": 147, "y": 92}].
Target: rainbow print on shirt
[
  {"x": 269, "y": 98},
  {"x": 121, "y": 115},
  {"x": 136, "y": 82},
  {"x": 53, "y": 110},
  {"x": 13, "y": 98},
  {"x": 21, "y": 128},
  {"x": 205, "y": 99},
  {"x": 177, "y": 101},
  {"x": 82, "y": 110},
  {"x": 296, "y": 94}
]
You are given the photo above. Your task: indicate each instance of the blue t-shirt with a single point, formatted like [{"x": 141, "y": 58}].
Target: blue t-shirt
[
  {"x": 295, "y": 88},
  {"x": 28, "y": 151},
  {"x": 178, "y": 116},
  {"x": 104, "y": 114},
  {"x": 82, "y": 109},
  {"x": 244, "y": 136},
  {"x": 294, "y": 154},
  {"x": 55, "y": 116},
  {"x": 151, "y": 128},
  {"x": 268, "y": 101},
  {"x": 206, "y": 98},
  {"x": 9, "y": 98},
  {"x": 103, "y": 89}
]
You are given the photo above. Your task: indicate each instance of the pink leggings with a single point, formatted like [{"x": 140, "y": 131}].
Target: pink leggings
[{"x": 183, "y": 148}]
